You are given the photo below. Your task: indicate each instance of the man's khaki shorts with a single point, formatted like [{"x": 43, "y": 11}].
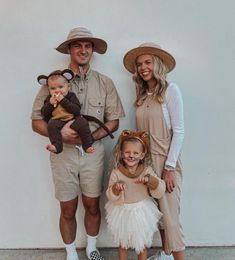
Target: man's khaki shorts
[{"x": 73, "y": 172}]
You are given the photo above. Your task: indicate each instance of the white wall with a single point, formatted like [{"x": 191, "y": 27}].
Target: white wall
[{"x": 200, "y": 34}]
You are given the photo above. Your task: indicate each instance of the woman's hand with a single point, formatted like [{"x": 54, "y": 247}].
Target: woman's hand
[
  {"x": 167, "y": 176},
  {"x": 69, "y": 135}
]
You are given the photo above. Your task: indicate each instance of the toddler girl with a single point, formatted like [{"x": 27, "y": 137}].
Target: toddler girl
[{"x": 131, "y": 212}]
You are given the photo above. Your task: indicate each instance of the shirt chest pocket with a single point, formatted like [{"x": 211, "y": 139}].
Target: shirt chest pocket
[{"x": 96, "y": 108}]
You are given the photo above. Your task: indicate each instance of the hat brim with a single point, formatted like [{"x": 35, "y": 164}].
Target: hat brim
[
  {"x": 99, "y": 45},
  {"x": 131, "y": 56}
]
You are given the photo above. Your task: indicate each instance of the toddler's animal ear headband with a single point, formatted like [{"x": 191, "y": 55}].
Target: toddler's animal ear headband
[
  {"x": 143, "y": 137},
  {"x": 67, "y": 74}
]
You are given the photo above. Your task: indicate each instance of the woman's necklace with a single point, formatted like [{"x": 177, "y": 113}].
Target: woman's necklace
[{"x": 152, "y": 90}]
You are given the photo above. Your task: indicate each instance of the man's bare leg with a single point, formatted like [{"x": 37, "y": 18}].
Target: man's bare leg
[
  {"x": 68, "y": 226},
  {"x": 92, "y": 221}
]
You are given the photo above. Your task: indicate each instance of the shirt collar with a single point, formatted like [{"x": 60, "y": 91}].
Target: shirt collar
[{"x": 87, "y": 74}]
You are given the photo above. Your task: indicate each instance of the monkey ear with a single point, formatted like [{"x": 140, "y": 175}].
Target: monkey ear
[
  {"x": 42, "y": 80},
  {"x": 68, "y": 74}
]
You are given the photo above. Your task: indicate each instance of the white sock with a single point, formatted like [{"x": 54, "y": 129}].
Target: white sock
[
  {"x": 71, "y": 251},
  {"x": 166, "y": 256},
  {"x": 91, "y": 244}
]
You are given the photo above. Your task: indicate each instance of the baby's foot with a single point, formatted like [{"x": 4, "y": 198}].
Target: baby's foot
[
  {"x": 51, "y": 148},
  {"x": 90, "y": 149}
]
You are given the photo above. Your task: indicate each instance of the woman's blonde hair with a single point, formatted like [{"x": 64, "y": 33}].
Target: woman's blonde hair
[{"x": 160, "y": 73}]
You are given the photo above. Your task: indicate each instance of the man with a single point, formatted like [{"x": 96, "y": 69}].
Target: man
[{"x": 72, "y": 169}]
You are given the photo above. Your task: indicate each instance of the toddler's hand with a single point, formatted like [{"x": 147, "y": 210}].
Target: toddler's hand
[
  {"x": 119, "y": 186},
  {"x": 143, "y": 180}
]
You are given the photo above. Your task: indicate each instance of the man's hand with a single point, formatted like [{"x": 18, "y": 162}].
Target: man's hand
[
  {"x": 69, "y": 135},
  {"x": 167, "y": 176}
]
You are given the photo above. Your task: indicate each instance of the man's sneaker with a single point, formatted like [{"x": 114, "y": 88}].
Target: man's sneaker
[
  {"x": 94, "y": 255},
  {"x": 161, "y": 256}
]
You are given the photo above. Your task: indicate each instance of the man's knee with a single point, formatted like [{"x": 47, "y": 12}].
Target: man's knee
[
  {"x": 91, "y": 205},
  {"x": 92, "y": 210},
  {"x": 68, "y": 209},
  {"x": 68, "y": 214}
]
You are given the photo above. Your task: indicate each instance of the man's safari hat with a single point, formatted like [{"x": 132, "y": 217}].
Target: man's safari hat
[
  {"x": 82, "y": 34},
  {"x": 148, "y": 48}
]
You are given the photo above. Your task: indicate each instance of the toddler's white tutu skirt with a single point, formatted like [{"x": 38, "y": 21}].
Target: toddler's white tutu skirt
[{"x": 133, "y": 225}]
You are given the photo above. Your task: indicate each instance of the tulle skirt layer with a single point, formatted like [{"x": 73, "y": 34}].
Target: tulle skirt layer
[{"x": 133, "y": 225}]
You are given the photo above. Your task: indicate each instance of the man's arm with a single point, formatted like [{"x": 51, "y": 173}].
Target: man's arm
[
  {"x": 100, "y": 133},
  {"x": 69, "y": 135},
  {"x": 40, "y": 126}
]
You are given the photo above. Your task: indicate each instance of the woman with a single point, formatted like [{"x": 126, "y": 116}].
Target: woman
[{"x": 159, "y": 111}]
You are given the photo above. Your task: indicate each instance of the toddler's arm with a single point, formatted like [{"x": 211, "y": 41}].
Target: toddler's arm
[
  {"x": 157, "y": 186},
  {"x": 118, "y": 187},
  {"x": 115, "y": 191}
]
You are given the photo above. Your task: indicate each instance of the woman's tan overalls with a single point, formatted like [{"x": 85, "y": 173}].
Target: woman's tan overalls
[{"x": 150, "y": 118}]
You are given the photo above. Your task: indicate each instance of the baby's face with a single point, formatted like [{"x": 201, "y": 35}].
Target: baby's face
[{"x": 58, "y": 85}]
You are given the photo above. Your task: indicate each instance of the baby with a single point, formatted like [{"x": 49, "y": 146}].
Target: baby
[{"x": 61, "y": 106}]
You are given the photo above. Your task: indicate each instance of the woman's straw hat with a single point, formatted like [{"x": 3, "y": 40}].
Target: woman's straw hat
[{"x": 148, "y": 48}]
